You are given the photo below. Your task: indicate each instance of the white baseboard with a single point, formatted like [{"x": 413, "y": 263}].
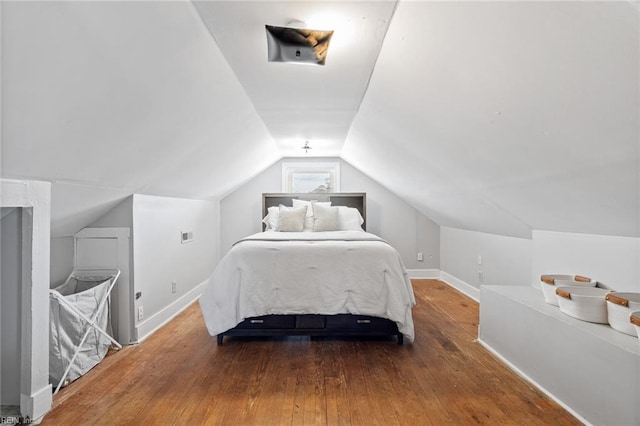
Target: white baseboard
[
  {"x": 154, "y": 322},
  {"x": 449, "y": 279},
  {"x": 533, "y": 382},
  {"x": 461, "y": 286},
  {"x": 37, "y": 404},
  {"x": 426, "y": 274}
]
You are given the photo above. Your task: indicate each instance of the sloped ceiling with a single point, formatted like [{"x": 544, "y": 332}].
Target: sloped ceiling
[
  {"x": 500, "y": 117},
  {"x": 301, "y": 103},
  {"x": 505, "y": 117},
  {"x": 107, "y": 99}
]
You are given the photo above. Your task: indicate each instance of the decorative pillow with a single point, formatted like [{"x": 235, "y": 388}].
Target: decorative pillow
[
  {"x": 291, "y": 219},
  {"x": 308, "y": 222},
  {"x": 271, "y": 219},
  {"x": 350, "y": 219},
  {"x": 325, "y": 218}
]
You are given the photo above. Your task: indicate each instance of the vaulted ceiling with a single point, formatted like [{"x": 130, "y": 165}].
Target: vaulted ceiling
[
  {"x": 500, "y": 117},
  {"x": 297, "y": 102}
]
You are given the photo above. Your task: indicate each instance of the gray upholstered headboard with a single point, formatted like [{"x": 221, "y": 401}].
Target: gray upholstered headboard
[{"x": 357, "y": 200}]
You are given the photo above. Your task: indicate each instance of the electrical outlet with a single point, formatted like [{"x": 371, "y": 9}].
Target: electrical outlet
[
  {"x": 480, "y": 276},
  {"x": 420, "y": 257},
  {"x": 174, "y": 286},
  {"x": 140, "y": 313}
]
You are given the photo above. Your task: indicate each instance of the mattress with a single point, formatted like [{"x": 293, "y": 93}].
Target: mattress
[{"x": 335, "y": 272}]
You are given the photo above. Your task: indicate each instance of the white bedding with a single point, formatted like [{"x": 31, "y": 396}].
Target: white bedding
[{"x": 334, "y": 272}]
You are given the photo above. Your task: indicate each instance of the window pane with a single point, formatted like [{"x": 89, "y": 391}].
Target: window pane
[{"x": 310, "y": 181}]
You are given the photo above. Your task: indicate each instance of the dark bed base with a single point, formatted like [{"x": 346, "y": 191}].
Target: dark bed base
[{"x": 314, "y": 325}]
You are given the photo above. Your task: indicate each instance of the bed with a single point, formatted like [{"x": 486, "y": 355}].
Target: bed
[{"x": 317, "y": 273}]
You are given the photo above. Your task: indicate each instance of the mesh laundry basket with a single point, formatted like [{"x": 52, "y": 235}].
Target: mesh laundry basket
[{"x": 79, "y": 324}]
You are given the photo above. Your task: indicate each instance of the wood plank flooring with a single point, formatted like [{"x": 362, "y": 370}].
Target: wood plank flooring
[{"x": 180, "y": 376}]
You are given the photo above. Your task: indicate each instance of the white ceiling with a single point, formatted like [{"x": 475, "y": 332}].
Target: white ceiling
[
  {"x": 500, "y": 117},
  {"x": 508, "y": 116},
  {"x": 297, "y": 102},
  {"x": 107, "y": 99}
]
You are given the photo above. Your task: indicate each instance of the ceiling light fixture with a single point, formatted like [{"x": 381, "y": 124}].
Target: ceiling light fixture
[
  {"x": 306, "y": 147},
  {"x": 297, "y": 45},
  {"x": 345, "y": 28}
]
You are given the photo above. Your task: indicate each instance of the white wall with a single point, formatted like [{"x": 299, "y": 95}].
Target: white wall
[
  {"x": 35, "y": 199},
  {"x": 10, "y": 302},
  {"x": 387, "y": 215},
  {"x": 613, "y": 261},
  {"x": 390, "y": 217},
  {"x": 119, "y": 215},
  {"x": 160, "y": 258},
  {"x": 61, "y": 259},
  {"x": 505, "y": 260}
]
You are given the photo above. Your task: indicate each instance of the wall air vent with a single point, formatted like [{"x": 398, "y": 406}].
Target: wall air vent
[
  {"x": 186, "y": 237},
  {"x": 296, "y": 45}
]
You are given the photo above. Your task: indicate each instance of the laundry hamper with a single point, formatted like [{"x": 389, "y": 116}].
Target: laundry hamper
[{"x": 79, "y": 324}]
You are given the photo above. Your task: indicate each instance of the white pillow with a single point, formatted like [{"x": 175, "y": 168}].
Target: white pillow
[
  {"x": 308, "y": 222},
  {"x": 350, "y": 219},
  {"x": 325, "y": 218},
  {"x": 271, "y": 219},
  {"x": 291, "y": 219}
]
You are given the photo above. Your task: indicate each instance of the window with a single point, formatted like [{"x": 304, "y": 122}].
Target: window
[{"x": 310, "y": 177}]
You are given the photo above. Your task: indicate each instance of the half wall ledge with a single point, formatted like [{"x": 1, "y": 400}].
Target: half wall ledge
[{"x": 590, "y": 369}]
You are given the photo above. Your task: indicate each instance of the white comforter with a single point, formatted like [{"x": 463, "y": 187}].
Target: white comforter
[{"x": 309, "y": 273}]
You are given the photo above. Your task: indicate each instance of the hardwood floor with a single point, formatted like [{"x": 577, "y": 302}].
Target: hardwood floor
[{"x": 180, "y": 376}]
